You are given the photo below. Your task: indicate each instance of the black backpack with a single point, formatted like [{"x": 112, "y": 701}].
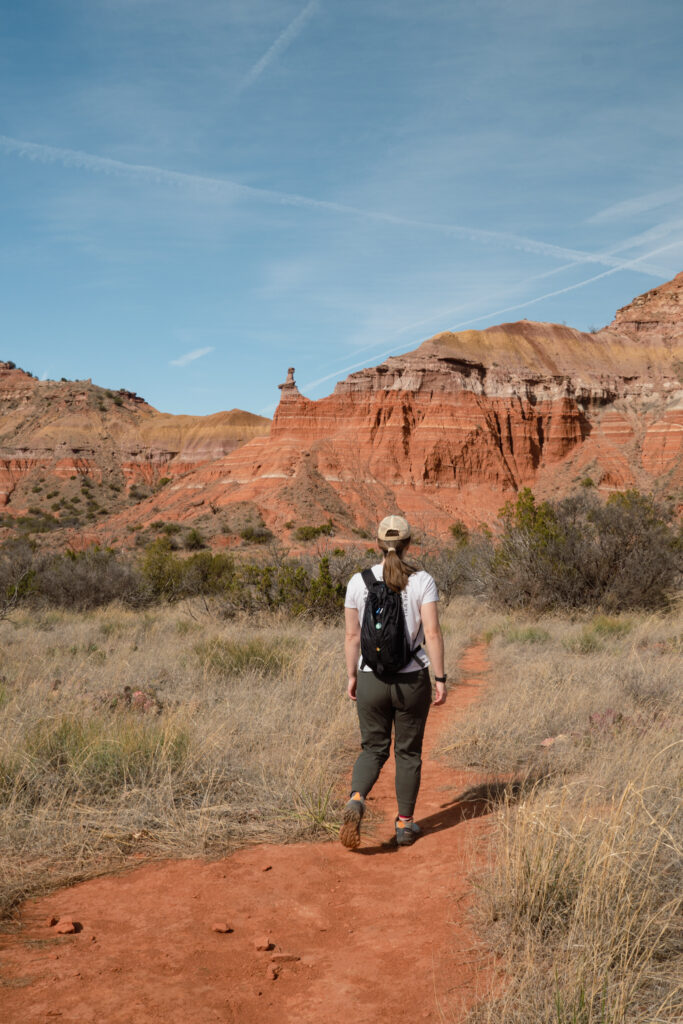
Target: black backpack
[{"x": 384, "y": 644}]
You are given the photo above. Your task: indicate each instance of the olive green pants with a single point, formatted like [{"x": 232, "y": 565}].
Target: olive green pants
[{"x": 400, "y": 702}]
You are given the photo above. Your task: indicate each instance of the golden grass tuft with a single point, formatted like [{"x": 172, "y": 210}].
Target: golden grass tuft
[
  {"x": 582, "y": 897},
  {"x": 163, "y": 734}
]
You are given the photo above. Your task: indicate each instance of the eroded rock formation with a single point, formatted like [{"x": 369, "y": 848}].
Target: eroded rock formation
[
  {"x": 448, "y": 431},
  {"x": 61, "y": 430}
]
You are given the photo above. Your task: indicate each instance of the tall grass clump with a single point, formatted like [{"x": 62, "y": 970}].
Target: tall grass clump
[
  {"x": 163, "y": 733},
  {"x": 583, "y": 894}
]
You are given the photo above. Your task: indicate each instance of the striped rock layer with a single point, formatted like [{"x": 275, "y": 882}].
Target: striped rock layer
[{"x": 448, "y": 431}]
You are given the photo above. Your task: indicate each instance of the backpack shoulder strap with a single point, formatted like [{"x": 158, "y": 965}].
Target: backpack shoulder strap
[{"x": 369, "y": 578}]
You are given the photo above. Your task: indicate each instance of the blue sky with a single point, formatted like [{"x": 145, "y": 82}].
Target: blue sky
[{"x": 196, "y": 195}]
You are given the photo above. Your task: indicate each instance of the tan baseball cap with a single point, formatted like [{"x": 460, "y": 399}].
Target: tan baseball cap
[{"x": 393, "y": 528}]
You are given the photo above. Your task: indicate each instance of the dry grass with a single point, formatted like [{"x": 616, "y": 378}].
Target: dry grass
[
  {"x": 228, "y": 734},
  {"x": 167, "y": 733},
  {"x": 582, "y": 899}
]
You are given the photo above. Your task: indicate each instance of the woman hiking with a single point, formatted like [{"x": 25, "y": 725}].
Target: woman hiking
[{"x": 399, "y": 697}]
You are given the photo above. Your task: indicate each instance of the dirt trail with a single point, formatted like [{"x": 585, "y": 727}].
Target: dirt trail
[{"x": 380, "y": 932}]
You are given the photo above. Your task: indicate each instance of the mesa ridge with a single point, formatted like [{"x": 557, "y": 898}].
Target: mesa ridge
[{"x": 447, "y": 431}]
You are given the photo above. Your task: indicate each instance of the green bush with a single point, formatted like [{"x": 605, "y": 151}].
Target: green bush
[
  {"x": 194, "y": 541},
  {"x": 579, "y": 552},
  {"x": 162, "y": 571},
  {"x": 305, "y": 533},
  {"x": 460, "y": 532},
  {"x": 256, "y": 534}
]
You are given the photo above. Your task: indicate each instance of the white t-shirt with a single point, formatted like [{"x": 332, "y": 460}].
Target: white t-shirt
[{"x": 421, "y": 589}]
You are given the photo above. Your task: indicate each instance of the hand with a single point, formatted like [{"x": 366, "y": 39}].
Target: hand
[
  {"x": 441, "y": 694},
  {"x": 351, "y": 688}
]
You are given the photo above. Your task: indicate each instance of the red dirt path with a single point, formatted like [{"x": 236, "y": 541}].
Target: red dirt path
[{"x": 380, "y": 932}]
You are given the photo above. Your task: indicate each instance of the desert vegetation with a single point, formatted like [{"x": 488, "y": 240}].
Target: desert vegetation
[
  {"x": 163, "y": 733},
  {"x": 580, "y": 732},
  {"x": 179, "y": 702},
  {"x": 576, "y": 553}
]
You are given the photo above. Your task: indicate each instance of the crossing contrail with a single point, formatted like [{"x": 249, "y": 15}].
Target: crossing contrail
[{"x": 497, "y": 312}]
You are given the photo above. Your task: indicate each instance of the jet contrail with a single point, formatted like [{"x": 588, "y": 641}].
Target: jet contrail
[
  {"x": 231, "y": 190},
  {"x": 283, "y": 41},
  {"x": 497, "y": 312},
  {"x": 190, "y": 357},
  {"x": 639, "y": 204},
  {"x": 658, "y": 231}
]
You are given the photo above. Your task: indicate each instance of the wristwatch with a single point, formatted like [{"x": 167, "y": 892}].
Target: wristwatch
[{"x": 440, "y": 679}]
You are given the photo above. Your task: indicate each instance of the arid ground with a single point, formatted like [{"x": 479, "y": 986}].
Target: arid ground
[{"x": 379, "y": 935}]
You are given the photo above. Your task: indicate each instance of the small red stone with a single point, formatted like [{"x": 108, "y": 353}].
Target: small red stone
[
  {"x": 65, "y": 926},
  {"x": 272, "y": 973},
  {"x": 264, "y": 944},
  {"x": 284, "y": 958},
  {"x": 222, "y": 927}
]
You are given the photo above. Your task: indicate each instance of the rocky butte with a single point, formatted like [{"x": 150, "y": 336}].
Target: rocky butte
[
  {"x": 56, "y": 434},
  {"x": 451, "y": 430}
]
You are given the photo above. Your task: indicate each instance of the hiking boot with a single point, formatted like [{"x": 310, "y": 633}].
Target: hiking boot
[
  {"x": 407, "y": 832},
  {"x": 349, "y": 833}
]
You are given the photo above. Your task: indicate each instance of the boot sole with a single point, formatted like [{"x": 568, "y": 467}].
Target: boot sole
[{"x": 349, "y": 833}]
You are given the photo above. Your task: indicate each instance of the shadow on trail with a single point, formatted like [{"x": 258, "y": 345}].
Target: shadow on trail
[{"x": 474, "y": 802}]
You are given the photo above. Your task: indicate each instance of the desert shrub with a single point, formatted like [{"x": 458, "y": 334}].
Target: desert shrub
[
  {"x": 290, "y": 586},
  {"x": 579, "y": 552},
  {"x": 305, "y": 533},
  {"x": 205, "y": 573},
  {"x": 194, "y": 541},
  {"x": 256, "y": 534},
  {"x": 89, "y": 579},
  {"x": 463, "y": 569},
  {"x": 16, "y": 574},
  {"x": 37, "y": 521},
  {"x": 459, "y": 532},
  {"x": 325, "y": 595},
  {"x": 162, "y": 572}
]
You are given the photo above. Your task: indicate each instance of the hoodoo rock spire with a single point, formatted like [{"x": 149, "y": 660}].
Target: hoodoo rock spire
[{"x": 289, "y": 386}]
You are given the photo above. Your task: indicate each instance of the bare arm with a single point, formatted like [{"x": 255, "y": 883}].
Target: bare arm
[
  {"x": 352, "y": 649},
  {"x": 434, "y": 643}
]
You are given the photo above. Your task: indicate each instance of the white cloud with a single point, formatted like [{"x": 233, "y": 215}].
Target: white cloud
[{"x": 190, "y": 357}]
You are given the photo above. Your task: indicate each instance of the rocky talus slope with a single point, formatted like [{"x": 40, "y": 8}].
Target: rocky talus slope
[{"x": 454, "y": 428}]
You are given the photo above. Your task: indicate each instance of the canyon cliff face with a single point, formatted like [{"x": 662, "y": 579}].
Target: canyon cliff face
[
  {"x": 60, "y": 431},
  {"x": 450, "y": 431}
]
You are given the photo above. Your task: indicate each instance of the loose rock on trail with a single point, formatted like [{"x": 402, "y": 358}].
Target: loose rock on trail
[{"x": 326, "y": 935}]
